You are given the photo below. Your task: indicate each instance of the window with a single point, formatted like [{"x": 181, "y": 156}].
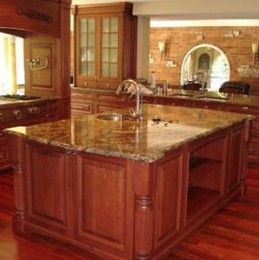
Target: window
[{"x": 11, "y": 63}]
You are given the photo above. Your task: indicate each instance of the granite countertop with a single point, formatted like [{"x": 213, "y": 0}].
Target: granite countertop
[
  {"x": 9, "y": 103},
  {"x": 214, "y": 96},
  {"x": 177, "y": 93},
  {"x": 143, "y": 140}
]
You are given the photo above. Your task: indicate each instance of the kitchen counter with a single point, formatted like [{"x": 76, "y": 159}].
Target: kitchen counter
[
  {"x": 8, "y": 103},
  {"x": 127, "y": 189},
  {"x": 147, "y": 139},
  {"x": 208, "y": 96}
]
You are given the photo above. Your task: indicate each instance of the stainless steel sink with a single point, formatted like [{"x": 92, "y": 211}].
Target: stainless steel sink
[{"x": 116, "y": 117}]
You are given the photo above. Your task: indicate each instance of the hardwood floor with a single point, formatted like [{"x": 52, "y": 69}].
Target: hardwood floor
[{"x": 232, "y": 234}]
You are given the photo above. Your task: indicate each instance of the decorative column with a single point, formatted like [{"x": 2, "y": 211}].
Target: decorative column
[
  {"x": 143, "y": 229},
  {"x": 143, "y": 237}
]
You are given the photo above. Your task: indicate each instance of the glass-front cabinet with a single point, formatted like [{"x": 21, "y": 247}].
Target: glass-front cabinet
[
  {"x": 87, "y": 47},
  {"x": 105, "y": 45},
  {"x": 110, "y": 45}
]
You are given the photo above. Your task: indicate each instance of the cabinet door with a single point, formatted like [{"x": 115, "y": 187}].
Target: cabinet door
[
  {"x": 87, "y": 66},
  {"x": 109, "y": 47},
  {"x": 105, "y": 45},
  {"x": 47, "y": 188},
  {"x": 104, "y": 202},
  {"x": 42, "y": 67}
]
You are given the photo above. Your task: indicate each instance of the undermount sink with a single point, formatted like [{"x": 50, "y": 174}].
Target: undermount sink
[{"x": 116, "y": 117}]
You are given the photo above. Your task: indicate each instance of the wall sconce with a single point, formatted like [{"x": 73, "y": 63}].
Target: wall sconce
[
  {"x": 255, "y": 52},
  {"x": 162, "y": 48}
]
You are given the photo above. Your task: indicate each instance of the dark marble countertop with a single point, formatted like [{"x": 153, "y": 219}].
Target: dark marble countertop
[{"x": 145, "y": 140}]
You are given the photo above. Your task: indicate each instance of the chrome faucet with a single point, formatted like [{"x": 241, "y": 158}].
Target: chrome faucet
[{"x": 125, "y": 84}]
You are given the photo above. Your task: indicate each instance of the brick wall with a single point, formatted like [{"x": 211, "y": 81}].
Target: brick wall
[{"x": 181, "y": 40}]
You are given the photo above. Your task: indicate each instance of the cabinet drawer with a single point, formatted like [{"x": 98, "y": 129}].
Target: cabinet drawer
[
  {"x": 107, "y": 107},
  {"x": 110, "y": 97},
  {"x": 76, "y": 96},
  {"x": 85, "y": 109}
]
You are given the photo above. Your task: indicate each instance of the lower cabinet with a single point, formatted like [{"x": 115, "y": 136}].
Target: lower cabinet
[
  {"x": 207, "y": 170},
  {"x": 125, "y": 209},
  {"x": 25, "y": 114},
  {"x": 82, "y": 103},
  {"x": 47, "y": 188},
  {"x": 104, "y": 216}
]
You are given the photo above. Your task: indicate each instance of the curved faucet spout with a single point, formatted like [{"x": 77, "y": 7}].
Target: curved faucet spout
[{"x": 127, "y": 83}]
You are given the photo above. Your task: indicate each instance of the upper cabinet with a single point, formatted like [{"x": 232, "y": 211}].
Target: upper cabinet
[{"x": 104, "y": 45}]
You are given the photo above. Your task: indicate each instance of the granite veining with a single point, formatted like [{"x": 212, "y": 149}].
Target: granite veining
[{"x": 145, "y": 139}]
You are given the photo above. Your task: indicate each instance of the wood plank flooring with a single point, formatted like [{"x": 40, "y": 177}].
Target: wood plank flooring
[{"x": 232, "y": 234}]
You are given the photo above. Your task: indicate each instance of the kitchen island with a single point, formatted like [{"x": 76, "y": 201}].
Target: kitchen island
[{"x": 125, "y": 188}]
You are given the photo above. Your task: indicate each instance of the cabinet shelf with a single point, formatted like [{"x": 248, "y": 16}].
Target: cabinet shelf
[
  {"x": 200, "y": 167},
  {"x": 200, "y": 200}
]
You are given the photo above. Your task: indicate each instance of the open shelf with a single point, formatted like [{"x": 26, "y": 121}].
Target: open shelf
[
  {"x": 199, "y": 200},
  {"x": 200, "y": 167},
  {"x": 204, "y": 186}
]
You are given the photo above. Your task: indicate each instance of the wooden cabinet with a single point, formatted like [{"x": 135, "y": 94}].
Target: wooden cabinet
[
  {"x": 207, "y": 172},
  {"x": 118, "y": 208},
  {"x": 89, "y": 102},
  {"x": 109, "y": 102},
  {"x": 49, "y": 207},
  {"x": 105, "y": 200},
  {"x": 25, "y": 114},
  {"x": 82, "y": 103},
  {"x": 105, "y": 45}
]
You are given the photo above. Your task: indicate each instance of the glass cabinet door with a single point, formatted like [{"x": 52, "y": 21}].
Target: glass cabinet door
[
  {"x": 87, "y": 47},
  {"x": 109, "y": 47}
]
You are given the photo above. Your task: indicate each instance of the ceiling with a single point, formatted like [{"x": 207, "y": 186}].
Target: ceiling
[{"x": 243, "y": 12}]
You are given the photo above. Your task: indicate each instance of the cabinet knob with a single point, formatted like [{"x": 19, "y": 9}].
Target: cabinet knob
[
  {"x": 17, "y": 113},
  {"x": 34, "y": 110},
  {"x": 86, "y": 83},
  {"x": 107, "y": 85}
]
